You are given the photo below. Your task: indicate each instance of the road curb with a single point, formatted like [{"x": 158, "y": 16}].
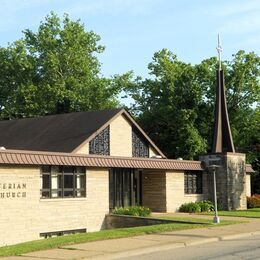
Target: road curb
[
  {"x": 234, "y": 236},
  {"x": 144, "y": 250},
  {"x": 168, "y": 246}
]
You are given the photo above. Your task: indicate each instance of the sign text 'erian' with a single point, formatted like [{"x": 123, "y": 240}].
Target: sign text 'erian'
[{"x": 12, "y": 190}]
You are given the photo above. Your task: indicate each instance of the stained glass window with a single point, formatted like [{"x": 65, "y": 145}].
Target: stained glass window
[
  {"x": 140, "y": 147},
  {"x": 100, "y": 143}
]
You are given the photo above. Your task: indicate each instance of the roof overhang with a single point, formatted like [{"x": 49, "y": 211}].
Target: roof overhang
[{"x": 21, "y": 157}]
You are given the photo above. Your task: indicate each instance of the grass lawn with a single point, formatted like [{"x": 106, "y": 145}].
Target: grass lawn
[
  {"x": 249, "y": 213},
  {"x": 107, "y": 234}
]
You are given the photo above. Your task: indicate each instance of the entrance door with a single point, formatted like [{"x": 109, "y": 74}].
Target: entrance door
[{"x": 124, "y": 188}]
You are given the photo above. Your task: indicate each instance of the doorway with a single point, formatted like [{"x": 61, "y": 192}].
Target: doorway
[{"x": 125, "y": 188}]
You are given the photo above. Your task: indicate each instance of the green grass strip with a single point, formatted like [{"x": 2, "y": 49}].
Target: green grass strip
[
  {"x": 249, "y": 213},
  {"x": 56, "y": 242}
]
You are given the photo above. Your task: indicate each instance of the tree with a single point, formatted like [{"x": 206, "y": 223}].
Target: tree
[
  {"x": 176, "y": 105},
  {"x": 53, "y": 70},
  {"x": 167, "y": 106}
]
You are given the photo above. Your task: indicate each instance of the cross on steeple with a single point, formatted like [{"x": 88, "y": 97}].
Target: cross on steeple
[
  {"x": 219, "y": 49},
  {"x": 223, "y": 141}
]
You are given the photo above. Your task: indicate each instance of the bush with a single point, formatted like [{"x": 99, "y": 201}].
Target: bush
[
  {"x": 133, "y": 211},
  {"x": 190, "y": 207},
  {"x": 254, "y": 201},
  {"x": 194, "y": 207},
  {"x": 206, "y": 206}
]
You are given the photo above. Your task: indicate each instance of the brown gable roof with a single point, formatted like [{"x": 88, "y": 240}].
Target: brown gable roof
[
  {"x": 15, "y": 157},
  {"x": 56, "y": 133}
]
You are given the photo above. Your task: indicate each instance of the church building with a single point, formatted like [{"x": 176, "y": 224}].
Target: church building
[{"x": 63, "y": 173}]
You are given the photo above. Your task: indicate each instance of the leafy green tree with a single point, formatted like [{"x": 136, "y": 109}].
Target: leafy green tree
[
  {"x": 53, "y": 70},
  {"x": 167, "y": 105},
  {"x": 176, "y": 105}
]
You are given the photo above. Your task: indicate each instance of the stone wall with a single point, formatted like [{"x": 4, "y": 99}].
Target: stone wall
[
  {"x": 24, "y": 216},
  {"x": 123, "y": 221},
  {"x": 230, "y": 180}
]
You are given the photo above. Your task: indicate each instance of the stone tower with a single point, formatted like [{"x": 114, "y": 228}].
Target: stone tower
[{"x": 230, "y": 173}]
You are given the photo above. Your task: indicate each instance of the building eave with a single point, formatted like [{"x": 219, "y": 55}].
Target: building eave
[{"x": 23, "y": 157}]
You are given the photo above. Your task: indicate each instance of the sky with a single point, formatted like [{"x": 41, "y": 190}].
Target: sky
[{"x": 133, "y": 30}]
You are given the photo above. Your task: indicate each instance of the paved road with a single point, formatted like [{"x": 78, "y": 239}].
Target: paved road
[{"x": 235, "y": 249}]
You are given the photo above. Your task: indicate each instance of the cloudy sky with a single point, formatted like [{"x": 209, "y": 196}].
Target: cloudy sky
[{"x": 132, "y": 30}]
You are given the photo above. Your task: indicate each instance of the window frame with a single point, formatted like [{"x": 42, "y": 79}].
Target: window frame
[
  {"x": 60, "y": 190},
  {"x": 193, "y": 182}
]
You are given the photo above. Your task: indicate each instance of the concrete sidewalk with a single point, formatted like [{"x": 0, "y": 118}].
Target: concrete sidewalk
[{"x": 125, "y": 247}]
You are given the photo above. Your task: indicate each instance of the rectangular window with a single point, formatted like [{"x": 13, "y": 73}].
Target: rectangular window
[
  {"x": 192, "y": 182},
  {"x": 63, "y": 182}
]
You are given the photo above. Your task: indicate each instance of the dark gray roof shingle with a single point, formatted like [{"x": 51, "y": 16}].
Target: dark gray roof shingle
[{"x": 55, "y": 133}]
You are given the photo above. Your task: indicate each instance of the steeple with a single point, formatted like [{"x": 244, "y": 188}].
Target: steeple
[{"x": 223, "y": 141}]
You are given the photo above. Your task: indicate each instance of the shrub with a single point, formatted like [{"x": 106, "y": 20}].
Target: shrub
[
  {"x": 193, "y": 207},
  {"x": 133, "y": 211},
  {"x": 206, "y": 206},
  {"x": 253, "y": 202},
  {"x": 190, "y": 207}
]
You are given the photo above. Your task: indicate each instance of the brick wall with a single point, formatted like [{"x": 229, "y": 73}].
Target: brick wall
[
  {"x": 154, "y": 190},
  {"x": 23, "y": 218}
]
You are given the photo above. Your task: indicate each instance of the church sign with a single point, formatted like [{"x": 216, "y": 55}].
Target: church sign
[{"x": 12, "y": 190}]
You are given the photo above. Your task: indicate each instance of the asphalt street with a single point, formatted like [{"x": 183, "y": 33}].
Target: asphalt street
[{"x": 241, "y": 248}]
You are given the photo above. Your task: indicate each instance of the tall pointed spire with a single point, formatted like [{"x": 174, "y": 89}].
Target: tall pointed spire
[{"x": 223, "y": 141}]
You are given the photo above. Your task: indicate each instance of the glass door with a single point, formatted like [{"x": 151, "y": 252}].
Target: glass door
[{"x": 124, "y": 188}]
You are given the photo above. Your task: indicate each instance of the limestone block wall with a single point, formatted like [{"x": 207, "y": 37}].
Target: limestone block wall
[
  {"x": 120, "y": 137},
  {"x": 19, "y": 200},
  {"x": 248, "y": 185},
  {"x": 84, "y": 149},
  {"x": 154, "y": 190},
  {"x": 175, "y": 195},
  {"x": 152, "y": 152},
  {"x": 24, "y": 218},
  {"x": 164, "y": 191}
]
